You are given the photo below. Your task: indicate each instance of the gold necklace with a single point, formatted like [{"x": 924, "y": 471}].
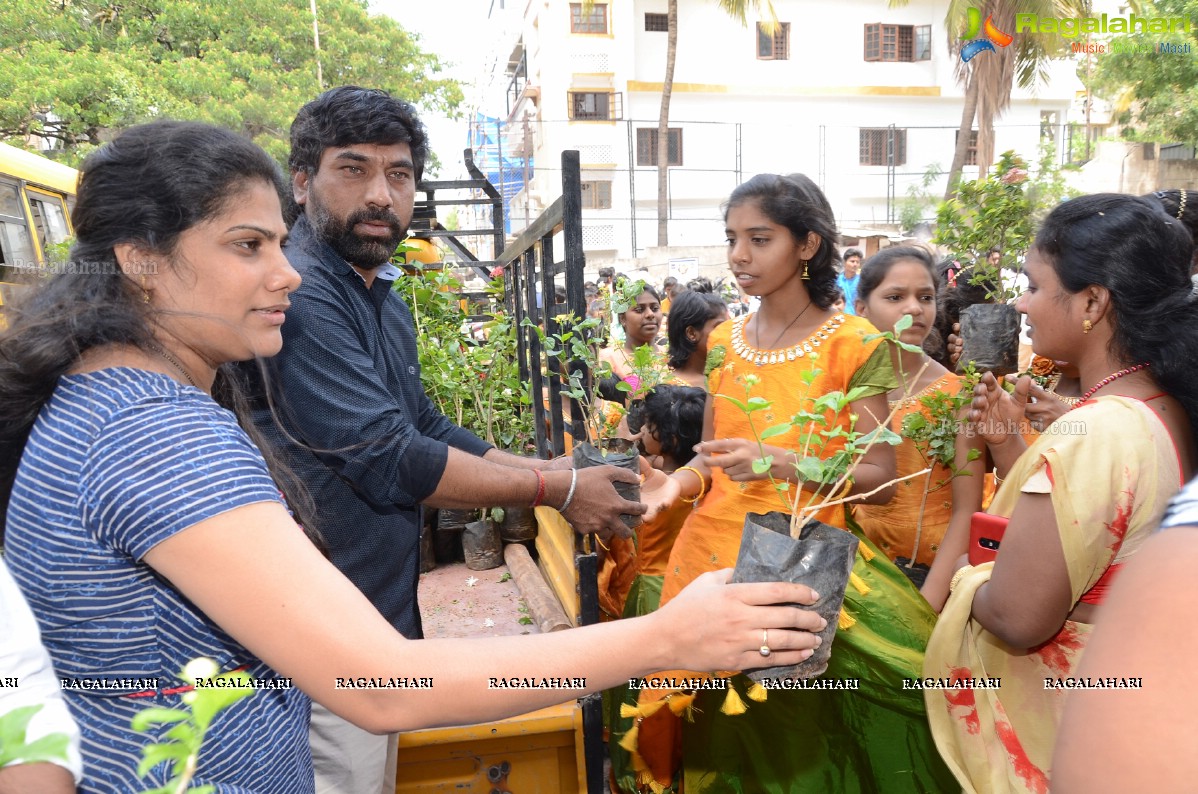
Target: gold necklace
[
  {"x": 757, "y": 329},
  {"x": 174, "y": 363},
  {"x": 912, "y": 399},
  {"x": 759, "y": 357}
]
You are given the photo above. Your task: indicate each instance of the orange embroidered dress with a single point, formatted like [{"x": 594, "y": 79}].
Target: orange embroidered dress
[{"x": 872, "y": 739}]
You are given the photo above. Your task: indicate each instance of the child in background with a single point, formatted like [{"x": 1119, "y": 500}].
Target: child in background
[{"x": 667, "y": 424}]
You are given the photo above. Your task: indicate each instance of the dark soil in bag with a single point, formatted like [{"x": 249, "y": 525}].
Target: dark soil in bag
[
  {"x": 822, "y": 558},
  {"x": 621, "y": 454},
  {"x": 990, "y": 332}
]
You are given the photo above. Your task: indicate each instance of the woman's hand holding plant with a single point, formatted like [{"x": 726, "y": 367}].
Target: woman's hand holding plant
[
  {"x": 740, "y": 458},
  {"x": 997, "y": 416},
  {"x": 714, "y": 625},
  {"x": 1043, "y": 408}
]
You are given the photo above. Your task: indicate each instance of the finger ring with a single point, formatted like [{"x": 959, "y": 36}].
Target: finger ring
[{"x": 765, "y": 642}]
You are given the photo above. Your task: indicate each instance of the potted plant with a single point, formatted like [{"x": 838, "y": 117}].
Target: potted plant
[
  {"x": 570, "y": 347},
  {"x": 474, "y": 382},
  {"x": 989, "y": 225},
  {"x": 792, "y": 545}
]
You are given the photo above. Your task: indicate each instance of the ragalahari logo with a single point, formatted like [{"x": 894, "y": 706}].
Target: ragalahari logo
[{"x": 992, "y": 36}]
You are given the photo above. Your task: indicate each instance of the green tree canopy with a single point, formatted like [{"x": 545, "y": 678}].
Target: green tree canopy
[
  {"x": 79, "y": 70},
  {"x": 1157, "y": 90}
]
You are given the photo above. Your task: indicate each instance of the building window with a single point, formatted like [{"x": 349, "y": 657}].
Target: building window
[
  {"x": 923, "y": 42},
  {"x": 596, "y": 195},
  {"x": 1048, "y": 125},
  {"x": 971, "y": 154},
  {"x": 898, "y": 42},
  {"x": 593, "y": 106},
  {"x": 593, "y": 22},
  {"x": 775, "y": 46},
  {"x": 657, "y": 23},
  {"x": 646, "y": 146},
  {"x": 875, "y": 146}
]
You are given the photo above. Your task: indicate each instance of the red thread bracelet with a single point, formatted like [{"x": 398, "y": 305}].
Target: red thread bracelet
[{"x": 540, "y": 497}]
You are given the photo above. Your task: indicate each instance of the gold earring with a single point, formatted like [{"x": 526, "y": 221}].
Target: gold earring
[
  {"x": 806, "y": 275},
  {"x": 1086, "y": 326},
  {"x": 145, "y": 294}
]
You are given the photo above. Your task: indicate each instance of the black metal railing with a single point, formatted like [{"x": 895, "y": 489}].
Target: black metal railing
[{"x": 529, "y": 260}]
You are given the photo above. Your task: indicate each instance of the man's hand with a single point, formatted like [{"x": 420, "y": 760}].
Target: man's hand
[
  {"x": 596, "y": 506},
  {"x": 560, "y": 463}
]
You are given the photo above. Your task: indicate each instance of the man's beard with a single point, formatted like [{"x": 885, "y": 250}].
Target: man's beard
[{"x": 365, "y": 252}]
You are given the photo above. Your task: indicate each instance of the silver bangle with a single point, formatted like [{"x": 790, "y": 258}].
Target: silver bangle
[{"x": 570, "y": 493}]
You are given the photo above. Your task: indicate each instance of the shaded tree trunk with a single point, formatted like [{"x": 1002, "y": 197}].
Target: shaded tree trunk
[
  {"x": 964, "y": 133},
  {"x": 663, "y": 128}
]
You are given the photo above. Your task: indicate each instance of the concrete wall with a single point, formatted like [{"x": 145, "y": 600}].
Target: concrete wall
[{"x": 1122, "y": 167}]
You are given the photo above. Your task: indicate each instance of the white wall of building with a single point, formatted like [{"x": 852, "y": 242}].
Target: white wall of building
[{"x": 741, "y": 116}]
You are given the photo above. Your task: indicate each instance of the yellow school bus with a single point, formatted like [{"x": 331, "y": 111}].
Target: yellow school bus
[{"x": 36, "y": 196}]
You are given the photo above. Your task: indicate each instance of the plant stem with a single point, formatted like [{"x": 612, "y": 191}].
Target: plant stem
[
  {"x": 807, "y": 511},
  {"x": 856, "y": 497},
  {"x": 189, "y": 771},
  {"x": 927, "y": 484}
]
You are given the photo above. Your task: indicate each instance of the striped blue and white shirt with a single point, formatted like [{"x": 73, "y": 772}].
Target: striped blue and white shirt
[{"x": 118, "y": 461}]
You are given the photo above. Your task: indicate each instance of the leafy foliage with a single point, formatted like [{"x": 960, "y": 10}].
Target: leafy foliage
[
  {"x": 570, "y": 347},
  {"x": 934, "y": 430},
  {"x": 1001, "y": 210},
  {"x": 994, "y": 211},
  {"x": 912, "y": 208},
  {"x": 819, "y": 422},
  {"x": 477, "y": 385},
  {"x": 78, "y": 70},
  {"x": 185, "y": 737},
  {"x": 13, "y": 745},
  {"x": 1162, "y": 88}
]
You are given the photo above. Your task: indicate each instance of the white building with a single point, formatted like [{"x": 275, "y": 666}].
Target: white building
[{"x": 819, "y": 96}]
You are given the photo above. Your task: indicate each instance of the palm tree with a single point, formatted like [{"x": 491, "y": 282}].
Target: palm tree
[
  {"x": 737, "y": 9},
  {"x": 989, "y": 77}
]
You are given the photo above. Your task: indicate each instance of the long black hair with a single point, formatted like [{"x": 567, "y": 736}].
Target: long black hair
[
  {"x": 797, "y": 203},
  {"x": 1141, "y": 255},
  {"x": 690, "y": 310},
  {"x": 148, "y": 186},
  {"x": 1182, "y": 205}
]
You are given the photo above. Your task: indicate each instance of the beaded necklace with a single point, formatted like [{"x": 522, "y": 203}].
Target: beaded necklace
[
  {"x": 759, "y": 357},
  {"x": 1112, "y": 377},
  {"x": 173, "y": 362}
]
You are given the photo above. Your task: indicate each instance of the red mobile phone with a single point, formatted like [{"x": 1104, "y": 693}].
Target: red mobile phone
[{"x": 985, "y": 535}]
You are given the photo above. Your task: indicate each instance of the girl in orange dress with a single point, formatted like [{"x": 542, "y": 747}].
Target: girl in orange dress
[
  {"x": 896, "y": 282},
  {"x": 795, "y": 349}
]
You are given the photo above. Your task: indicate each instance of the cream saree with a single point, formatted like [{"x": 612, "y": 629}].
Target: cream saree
[{"x": 1110, "y": 467}]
